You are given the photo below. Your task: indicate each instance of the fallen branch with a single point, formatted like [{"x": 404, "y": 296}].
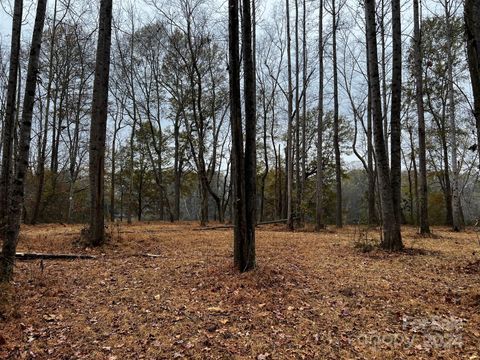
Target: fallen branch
[
  {"x": 232, "y": 226},
  {"x": 272, "y": 222},
  {"x": 216, "y": 227},
  {"x": 33, "y": 256},
  {"x": 151, "y": 255}
]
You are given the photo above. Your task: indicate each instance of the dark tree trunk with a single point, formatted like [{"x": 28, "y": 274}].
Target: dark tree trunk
[
  {"x": 415, "y": 175},
  {"x": 472, "y": 31},
  {"x": 265, "y": 159},
  {"x": 391, "y": 229},
  {"x": 249, "y": 93},
  {"x": 177, "y": 169},
  {"x": 243, "y": 165},
  {"x": 319, "y": 181},
  {"x": 17, "y": 197},
  {"x": 99, "y": 125},
  {"x": 372, "y": 214},
  {"x": 237, "y": 133},
  {"x": 423, "y": 191},
  {"x": 289, "y": 150},
  {"x": 336, "y": 123},
  {"x": 9, "y": 122},
  {"x": 304, "y": 113},
  {"x": 298, "y": 195},
  {"x": 395, "y": 114}
]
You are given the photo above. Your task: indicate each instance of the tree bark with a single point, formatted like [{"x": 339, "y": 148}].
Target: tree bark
[
  {"x": 289, "y": 150},
  {"x": 99, "y": 125},
  {"x": 391, "y": 239},
  {"x": 336, "y": 123},
  {"x": 372, "y": 214},
  {"x": 243, "y": 164},
  {"x": 395, "y": 115},
  {"x": 423, "y": 191},
  {"x": 18, "y": 188},
  {"x": 10, "y": 112},
  {"x": 304, "y": 113},
  {"x": 319, "y": 180},
  {"x": 249, "y": 93},
  {"x": 472, "y": 32},
  {"x": 177, "y": 169},
  {"x": 298, "y": 194},
  {"x": 457, "y": 223},
  {"x": 237, "y": 133}
]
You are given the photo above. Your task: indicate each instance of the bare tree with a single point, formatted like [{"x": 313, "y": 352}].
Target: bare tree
[
  {"x": 336, "y": 120},
  {"x": 98, "y": 126},
  {"x": 249, "y": 93},
  {"x": 289, "y": 149},
  {"x": 18, "y": 188},
  {"x": 243, "y": 163},
  {"x": 9, "y": 122},
  {"x": 395, "y": 116},
  {"x": 391, "y": 228},
  {"x": 423, "y": 193},
  {"x": 472, "y": 30},
  {"x": 457, "y": 223},
  {"x": 319, "y": 181}
]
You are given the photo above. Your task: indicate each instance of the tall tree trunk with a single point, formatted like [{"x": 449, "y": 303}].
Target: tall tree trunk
[
  {"x": 319, "y": 180},
  {"x": 177, "y": 169},
  {"x": 265, "y": 158},
  {"x": 289, "y": 150},
  {"x": 249, "y": 92},
  {"x": 9, "y": 123},
  {"x": 304, "y": 113},
  {"x": 18, "y": 188},
  {"x": 99, "y": 126},
  {"x": 204, "y": 200},
  {"x": 457, "y": 223},
  {"x": 131, "y": 171},
  {"x": 113, "y": 175},
  {"x": 383, "y": 62},
  {"x": 336, "y": 121},
  {"x": 297, "y": 117},
  {"x": 472, "y": 32},
  {"x": 423, "y": 191},
  {"x": 392, "y": 238},
  {"x": 372, "y": 214},
  {"x": 395, "y": 115},
  {"x": 415, "y": 175},
  {"x": 237, "y": 134},
  {"x": 447, "y": 188}
]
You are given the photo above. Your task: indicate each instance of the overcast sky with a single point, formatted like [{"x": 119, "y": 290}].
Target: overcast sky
[{"x": 5, "y": 22}]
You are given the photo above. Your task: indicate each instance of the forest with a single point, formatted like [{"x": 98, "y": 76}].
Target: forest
[{"x": 239, "y": 179}]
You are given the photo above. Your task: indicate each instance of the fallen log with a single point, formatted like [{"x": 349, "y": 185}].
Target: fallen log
[
  {"x": 272, "y": 222},
  {"x": 232, "y": 226},
  {"x": 43, "y": 256},
  {"x": 215, "y": 227}
]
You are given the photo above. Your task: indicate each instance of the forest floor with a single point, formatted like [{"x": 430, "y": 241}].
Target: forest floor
[{"x": 311, "y": 296}]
